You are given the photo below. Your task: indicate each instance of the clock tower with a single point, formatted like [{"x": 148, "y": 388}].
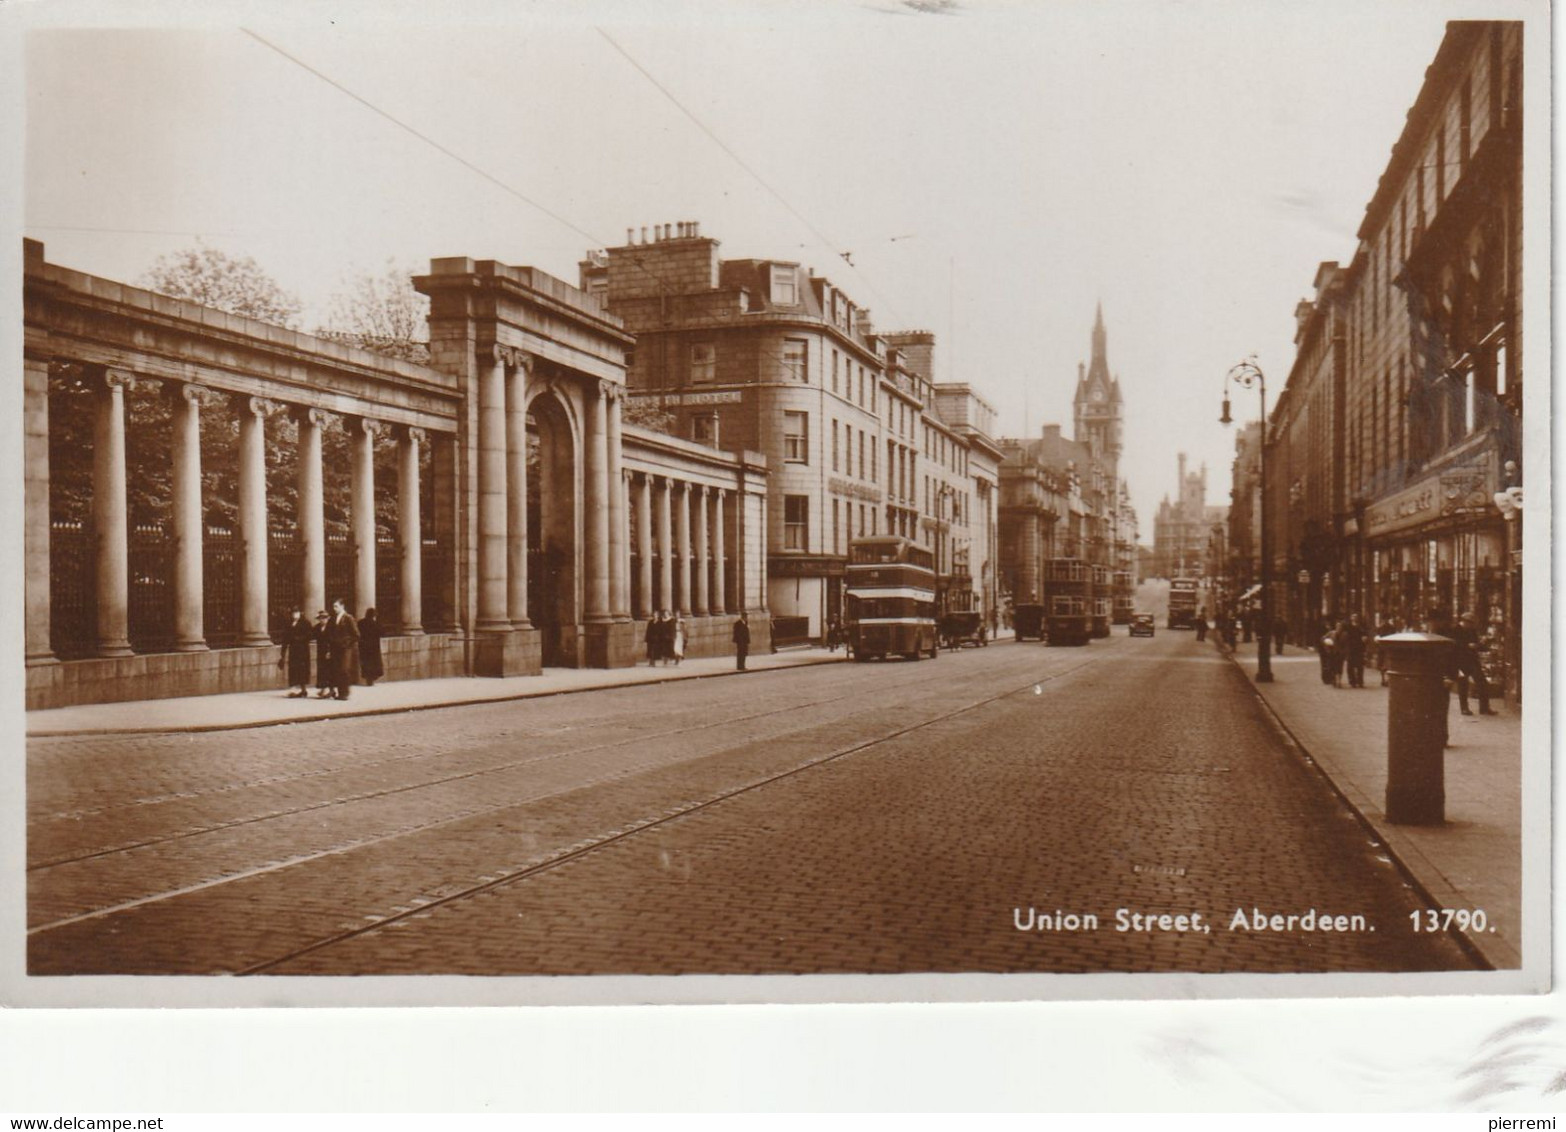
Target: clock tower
[{"x": 1096, "y": 406}]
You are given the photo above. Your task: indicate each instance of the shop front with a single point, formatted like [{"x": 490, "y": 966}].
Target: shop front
[{"x": 1440, "y": 545}]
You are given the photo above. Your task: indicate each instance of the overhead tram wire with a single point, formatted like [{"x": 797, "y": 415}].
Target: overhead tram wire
[
  {"x": 593, "y": 239},
  {"x": 826, "y": 242}
]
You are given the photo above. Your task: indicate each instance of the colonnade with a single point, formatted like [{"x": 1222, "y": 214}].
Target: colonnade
[
  {"x": 679, "y": 521},
  {"x": 110, "y": 513}
]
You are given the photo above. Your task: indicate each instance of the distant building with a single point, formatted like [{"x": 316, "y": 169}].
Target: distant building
[
  {"x": 1180, "y": 528},
  {"x": 1063, "y": 498}
]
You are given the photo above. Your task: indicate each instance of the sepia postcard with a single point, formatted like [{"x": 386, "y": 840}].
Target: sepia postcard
[{"x": 914, "y": 501}]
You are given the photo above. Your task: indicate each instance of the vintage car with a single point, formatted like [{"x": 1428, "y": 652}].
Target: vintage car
[
  {"x": 963, "y": 628},
  {"x": 1141, "y": 624}
]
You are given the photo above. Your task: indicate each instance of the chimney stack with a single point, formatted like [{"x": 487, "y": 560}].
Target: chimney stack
[{"x": 630, "y": 236}]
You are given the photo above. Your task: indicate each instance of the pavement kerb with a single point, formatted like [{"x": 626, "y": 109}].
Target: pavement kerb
[
  {"x": 1425, "y": 877},
  {"x": 402, "y": 709}
]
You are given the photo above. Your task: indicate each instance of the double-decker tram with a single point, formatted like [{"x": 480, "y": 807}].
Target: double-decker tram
[
  {"x": 1068, "y": 601},
  {"x": 1102, "y": 599},
  {"x": 1124, "y": 588},
  {"x": 1182, "y": 603},
  {"x": 890, "y": 599}
]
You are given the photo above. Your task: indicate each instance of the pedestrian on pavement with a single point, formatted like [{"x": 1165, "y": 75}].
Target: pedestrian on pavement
[
  {"x": 741, "y": 641},
  {"x": 1439, "y": 622},
  {"x": 323, "y": 655},
  {"x": 650, "y": 638},
  {"x": 370, "y": 663},
  {"x": 1353, "y": 639},
  {"x": 1280, "y": 630},
  {"x": 342, "y": 631},
  {"x": 1201, "y": 624},
  {"x": 1466, "y": 636},
  {"x": 677, "y": 639},
  {"x": 834, "y": 635},
  {"x": 296, "y": 654},
  {"x": 1331, "y": 652}
]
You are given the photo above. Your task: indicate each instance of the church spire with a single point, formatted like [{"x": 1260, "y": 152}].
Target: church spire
[{"x": 1099, "y": 366}]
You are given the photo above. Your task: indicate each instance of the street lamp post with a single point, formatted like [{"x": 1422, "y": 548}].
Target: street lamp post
[{"x": 1248, "y": 375}]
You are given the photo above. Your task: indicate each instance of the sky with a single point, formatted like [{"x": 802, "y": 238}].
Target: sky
[{"x": 990, "y": 172}]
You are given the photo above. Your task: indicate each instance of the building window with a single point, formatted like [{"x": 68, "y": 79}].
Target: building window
[
  {"x": 861, "y": 453},
  {"x": 874, "y": 474},
  {"x": 796, "y": 438},
  {"x": 796, "y": 522},
  {"x": 704, "y": 430},
  {"x": 794, "y": 365},
  {"x": 836, "y": 520},
  {"x": 834, "y": 446},
  {"x": 783, "y": 290},
  {"x": 834, "y": 370},
  {"x": 704, "y": 363}
]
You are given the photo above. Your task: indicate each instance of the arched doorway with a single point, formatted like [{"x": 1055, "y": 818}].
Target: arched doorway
[{"x": 553, "y": 575}]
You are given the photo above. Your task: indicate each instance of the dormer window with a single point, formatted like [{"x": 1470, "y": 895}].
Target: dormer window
[{"x": 783, "y": 290}]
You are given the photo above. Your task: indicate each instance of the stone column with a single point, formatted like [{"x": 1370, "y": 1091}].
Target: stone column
[
  {"x": 665, "y": 548},
  {"x": 35, "y": 455},
  {"x": 410, "y": 530},
  {"x": 596, "y": 526},
  {"x": 362, "y": 503},
  {"x": 682, "y": 550},
  {"x": 644, "y": 545},
  {"x": 253, "y": 535},
  {"x": 310, "y": 519},
  {"x": 720, "y": 598},
  {"x": 619, "y": 545},
  {"x": 187, "y": 521},
  {"x": 493, "y": 600},
  {"x": 702, "y": 607},
  {"x": 516, "y": 495},
  {"x": 443, "y": 517},
  {"x": 626, "y": 581},
  {"x": 111, "y": 524}
]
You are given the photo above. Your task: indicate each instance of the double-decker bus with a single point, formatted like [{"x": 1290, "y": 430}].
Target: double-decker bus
[
  {"x": 1102, "y": 598},
  {"x": 890, "y": 599},
  {"x": 1068, "y": 601},
  {"x": 1125, "y": 597},
  {"x": 1182, "y": 603}
]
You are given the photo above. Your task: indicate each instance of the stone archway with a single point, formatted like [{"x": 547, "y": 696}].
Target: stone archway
[{"x": 554, "y": 603}]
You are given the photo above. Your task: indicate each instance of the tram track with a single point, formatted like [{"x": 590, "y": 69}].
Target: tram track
[
  {"x": 577, "y": 852},
  {"x": 370, "y": 795},
  {"x": 413, "y": 906}
]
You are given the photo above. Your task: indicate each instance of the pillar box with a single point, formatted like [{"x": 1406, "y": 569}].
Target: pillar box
[{"x": 1417, "y": 666}]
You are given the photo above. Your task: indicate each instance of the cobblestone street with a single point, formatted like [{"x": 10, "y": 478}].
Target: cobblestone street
[{"x": 837, "y": 818}]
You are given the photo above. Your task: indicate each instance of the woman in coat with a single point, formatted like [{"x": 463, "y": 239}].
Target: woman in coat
[
  {"x": 370, "y": 664},
  {"x": 677, "y": 647},
  {"x": 296, "y": 654}
]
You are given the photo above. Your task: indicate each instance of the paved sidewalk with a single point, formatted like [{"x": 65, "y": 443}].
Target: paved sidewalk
[
  {"x": 261, "y": 709},
  {"x": 1475, "y": 859}
]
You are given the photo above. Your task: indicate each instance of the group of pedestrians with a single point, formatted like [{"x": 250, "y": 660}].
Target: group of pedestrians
[
  {"x": 665, "y": 638},
  {"x": 1342, "y": 651},
  {"x": 346, "y": 652},
  {"x": 1343, "y": 648}
]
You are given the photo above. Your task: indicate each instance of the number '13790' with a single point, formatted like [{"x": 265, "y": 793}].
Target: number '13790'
[{"x": 1442, "y": 919}]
